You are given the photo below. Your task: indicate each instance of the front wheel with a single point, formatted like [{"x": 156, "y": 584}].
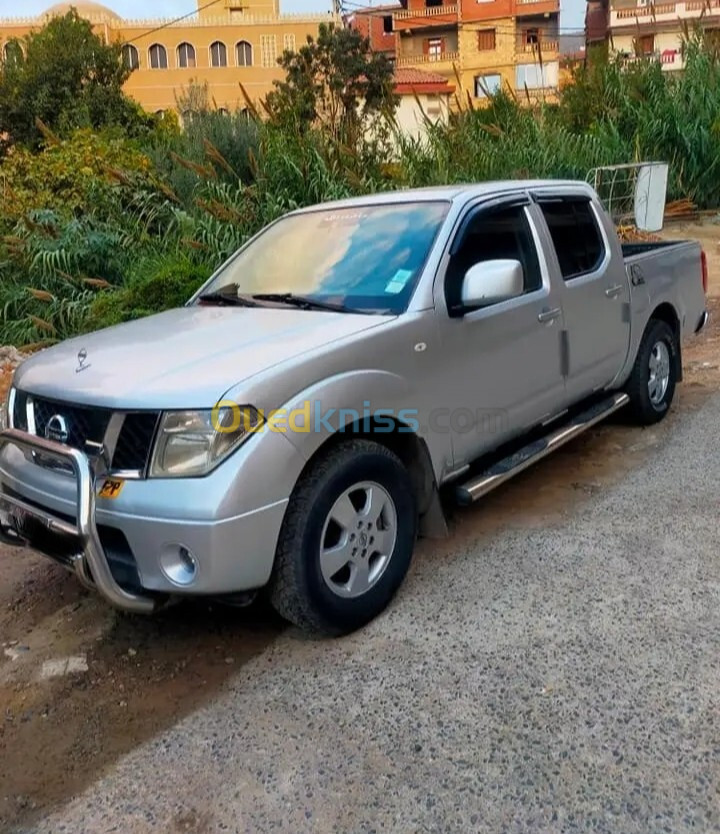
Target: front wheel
[
  {"x": 651, "y": 386},
  {"x": 346, "y": 540}
]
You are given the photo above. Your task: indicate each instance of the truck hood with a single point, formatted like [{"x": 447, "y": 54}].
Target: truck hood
[{"x": 183, "y": 358}]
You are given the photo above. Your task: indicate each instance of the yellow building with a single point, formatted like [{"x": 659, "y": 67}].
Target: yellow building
[{"x": 230, "y": 43}]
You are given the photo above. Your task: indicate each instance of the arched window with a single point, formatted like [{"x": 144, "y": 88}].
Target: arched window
[
  {"x": 186, "y": 55},
  {"x": 158, "y": 56},
  {"x": 218, "y": 54},
  {"x": 160, "y": 114},
  {"x": 223, "y": 111},
  {"x": 130, "y": 56},
  {"x": 244, "y": 52},
  {"x": 12, "y": 52}
]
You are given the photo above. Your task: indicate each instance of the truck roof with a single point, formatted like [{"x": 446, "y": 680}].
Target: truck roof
[{"x": 452, "y": 193}]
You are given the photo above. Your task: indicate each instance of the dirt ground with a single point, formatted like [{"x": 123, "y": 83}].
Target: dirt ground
[{"x": 81, "y": 685}]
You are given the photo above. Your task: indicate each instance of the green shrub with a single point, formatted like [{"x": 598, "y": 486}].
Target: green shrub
[{"x": 160, "y": 283}]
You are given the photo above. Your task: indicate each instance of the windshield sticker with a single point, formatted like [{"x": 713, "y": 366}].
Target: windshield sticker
[{"x": 399, "y": 281}]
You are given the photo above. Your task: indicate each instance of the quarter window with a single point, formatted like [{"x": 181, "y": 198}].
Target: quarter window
[
  {"x": 575, "y": 235},
  {"x": 494, "y": 234}
]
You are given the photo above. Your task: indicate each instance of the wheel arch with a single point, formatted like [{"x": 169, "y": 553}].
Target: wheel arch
[
  {"x": 403, "y": 440},
  {"x": 667, "y": 313}
]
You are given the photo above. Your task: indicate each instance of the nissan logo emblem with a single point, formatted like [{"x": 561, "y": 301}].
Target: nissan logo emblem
[{"x": 56, "y": 429}]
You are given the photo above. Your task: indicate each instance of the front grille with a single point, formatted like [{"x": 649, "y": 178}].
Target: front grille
[
  {"x": 86, "y": 424},
  {"x": 19, "y": 415},
  {"x": 135, "y": 441},
  {"x": 82, "y": 423}
]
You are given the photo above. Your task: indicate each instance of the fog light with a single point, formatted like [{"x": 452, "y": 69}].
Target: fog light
[{"x": 178, "y": 564}]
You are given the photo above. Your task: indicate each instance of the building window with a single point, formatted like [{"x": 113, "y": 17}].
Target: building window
[
  {"x": 536, "y": 76},
  {"x": 486, "y": 39},
  {"x": 531, "y": 36},
  {"x": 218, "y": 54},
  {"x": 130, "y": 57},
  {"x": 645, "y": 45},
  {"x": 387, "y": 24},
  {"x": 158, "y": 56},
  {"x": 186, "y": 55},
  {"x": 434, "y": 48},
  {"x": 487, "y": 85},
  {"x": 223, "y": 111},
  {"x": 431, "y": 3},
  {"x": 289, "y": 43},
  {"x": 268, "y": 50},
  {"x": 244, "y": 52},
  {"x": 160, "y": 114},
  {"x": 13, "y": 52}
]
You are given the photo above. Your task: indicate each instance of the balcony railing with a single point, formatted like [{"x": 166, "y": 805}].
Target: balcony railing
[
  {"x": 647, "y": 11},
  {"x": 438, "y": 58},
  {"x": 430, "y": 11},
  {"x": 544, "y": 47},
  {"x": 668, "y": 57}
]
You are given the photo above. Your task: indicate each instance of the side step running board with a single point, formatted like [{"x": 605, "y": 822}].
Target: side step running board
[{"x": 504, "y": 469}]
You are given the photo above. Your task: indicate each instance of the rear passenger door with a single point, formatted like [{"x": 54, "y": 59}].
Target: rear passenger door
[{"x": 595, "y": 297}]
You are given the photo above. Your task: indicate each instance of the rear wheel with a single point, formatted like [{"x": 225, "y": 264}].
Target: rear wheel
[
  {"x": 346, "y": 540},
  {"x": 651, "y": 386}
]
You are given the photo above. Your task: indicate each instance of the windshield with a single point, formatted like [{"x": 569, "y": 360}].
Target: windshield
[{"x": 365, "y": 258}]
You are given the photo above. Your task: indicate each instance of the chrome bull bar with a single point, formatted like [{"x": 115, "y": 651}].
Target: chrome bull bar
[{"x": 90, "y": 564}]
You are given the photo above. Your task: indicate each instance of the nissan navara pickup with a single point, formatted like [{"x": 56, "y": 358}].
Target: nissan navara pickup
[{"x": 311, "y": 410}]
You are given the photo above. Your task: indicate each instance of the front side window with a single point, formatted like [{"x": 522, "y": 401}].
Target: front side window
[
  {"x": 575, "y": 235},
  {"x": 501, "y": 233},
  {"x": 366, "y": 258}
]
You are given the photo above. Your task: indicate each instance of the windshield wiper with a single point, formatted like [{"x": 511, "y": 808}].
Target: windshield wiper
[
  {"x": 304, "y": 303},
  {"x": 229, "y": 296}
]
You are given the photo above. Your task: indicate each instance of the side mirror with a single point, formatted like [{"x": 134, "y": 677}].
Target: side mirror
[{"x": 490, "y": 282}]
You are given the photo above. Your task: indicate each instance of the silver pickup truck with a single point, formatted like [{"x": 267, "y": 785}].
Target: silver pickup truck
[{"x": 352, "y": 368}]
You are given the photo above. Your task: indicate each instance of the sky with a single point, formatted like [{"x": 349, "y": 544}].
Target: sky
[{"x": 572, "y": 11}]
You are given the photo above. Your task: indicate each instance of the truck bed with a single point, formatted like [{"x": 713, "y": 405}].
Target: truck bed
[{"x": 668, "y": 271}]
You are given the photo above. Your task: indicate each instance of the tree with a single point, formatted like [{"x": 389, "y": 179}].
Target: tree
[
  {"x": 336, "y": 82},
  {"x": 67, "y": 77}
]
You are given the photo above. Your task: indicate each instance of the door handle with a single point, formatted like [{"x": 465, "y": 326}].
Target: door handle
[
  {"x": 549, "y": 315},
  {"x": 611, "y": 292}
]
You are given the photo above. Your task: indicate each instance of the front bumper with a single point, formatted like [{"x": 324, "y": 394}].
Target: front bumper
[{"x": 233, "y": 554}]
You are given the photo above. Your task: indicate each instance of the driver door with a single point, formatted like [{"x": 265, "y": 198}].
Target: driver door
[{"x": 503, "y": 368}]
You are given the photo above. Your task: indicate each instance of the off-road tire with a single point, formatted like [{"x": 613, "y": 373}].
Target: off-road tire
[
  {"x": 642, "y": 410},
  {"x": 297, "y": 589}
]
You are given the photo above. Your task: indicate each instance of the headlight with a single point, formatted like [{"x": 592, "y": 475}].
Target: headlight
[{"x": 193, "y": 443}]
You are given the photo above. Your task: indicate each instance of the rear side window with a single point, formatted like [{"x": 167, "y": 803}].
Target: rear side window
[{"x": 575, "y": 234}]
